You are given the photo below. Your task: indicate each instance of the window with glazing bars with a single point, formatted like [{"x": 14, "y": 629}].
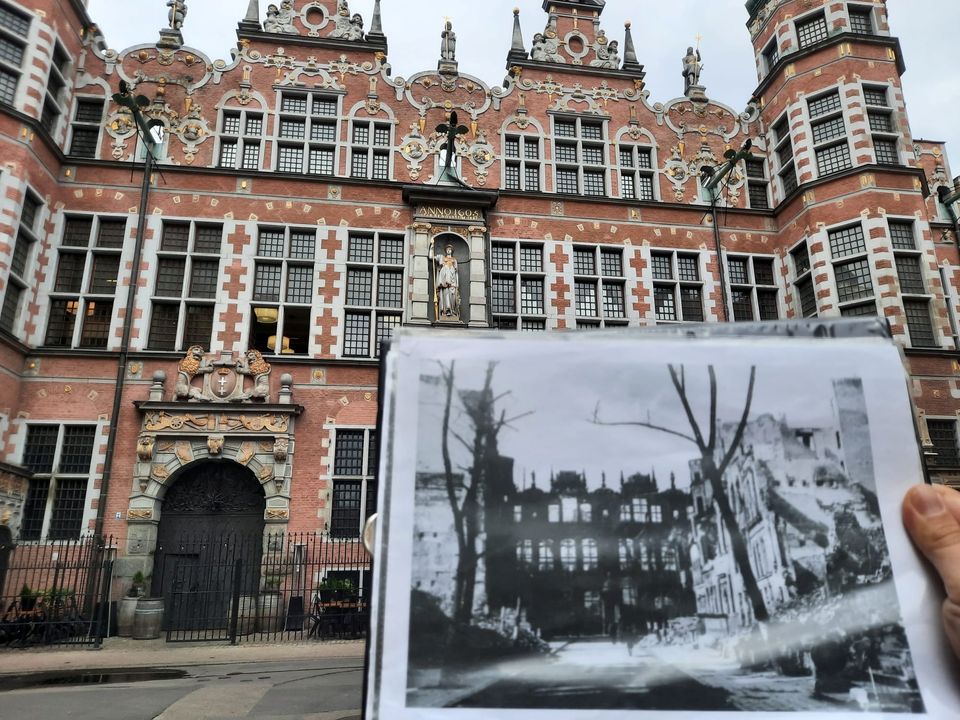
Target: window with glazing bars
[
  {"x": 307, "y": 132},
  {"x": 919, "y": 323},
  {"x": 354, "y": 481},
  {"x": 784, "y": 151},
  {"x": 676, "y": 276},
  {"x": 579, "y": 165},
  {"x": 374, "y": 292},
  {"x": 85, "y": 129},
  {"x": 847, "y": 241},
  {"x": 521, "y": 163},
  {"x": 833, "y": 159},
  {"x": 757, "y": 184},
  {"x": 241, "y": 137},
  {"x": 188, "y": 273},
  {"x": 81, "y": 305},
  {"x": 370, "y": 150},
  {"x": 636, "y": 172},
  {"x": 600, "y": 296},
  {"x": 518, "y": 275},
  {"x": 771, "y": 55},
  {"x": 753, "y": 288},
  {"x": 853, "y": 280},
  {"x": 20, "y": 264},
  {"x": 59, "y": 458},
  {"x": 861, "y": 21},
  {"x": 811, "y": 31},
  {"x": 14, "y": 29},
  {"x": 943, "y": 435}
]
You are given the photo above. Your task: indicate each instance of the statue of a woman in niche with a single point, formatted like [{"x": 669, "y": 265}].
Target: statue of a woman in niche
[{"x": 447, "y": 285}]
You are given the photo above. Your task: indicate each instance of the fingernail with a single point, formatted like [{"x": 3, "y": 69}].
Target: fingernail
[{"x": 926, "y": 500}]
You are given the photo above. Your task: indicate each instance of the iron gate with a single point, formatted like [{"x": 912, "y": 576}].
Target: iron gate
[
  {"x": 264, "y": 588},
  {"x": 56, "y": 593}
]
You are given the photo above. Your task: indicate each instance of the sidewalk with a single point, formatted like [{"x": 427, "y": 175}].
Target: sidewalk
[{"x": 124, "y": 653}]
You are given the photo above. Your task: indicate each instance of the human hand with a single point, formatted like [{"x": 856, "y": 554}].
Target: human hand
[{"x": 931, "y": 515}]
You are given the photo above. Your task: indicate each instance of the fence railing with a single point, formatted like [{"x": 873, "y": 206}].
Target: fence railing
[
  {"x": 245, "y": 588},
  {"x": 56, "y": 593}
]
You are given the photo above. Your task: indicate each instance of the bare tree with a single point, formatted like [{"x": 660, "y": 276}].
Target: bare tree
[
  {"x": 466, "y": 496},
  {"x": 713, "y": 470}
]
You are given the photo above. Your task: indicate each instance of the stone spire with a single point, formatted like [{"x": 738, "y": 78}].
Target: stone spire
[
  {"x": 518, "y": 52},
  {"x": 251, "y": 21},
  {"x": 630, "y": 61},
  {"x": 376, "y": 24}
]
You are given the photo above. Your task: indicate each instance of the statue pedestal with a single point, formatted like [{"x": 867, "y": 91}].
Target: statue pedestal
[
  {"x": 697, "y": 93},
  {"x": 170, "y": 39},
  {"x": 448, "y": 67}
]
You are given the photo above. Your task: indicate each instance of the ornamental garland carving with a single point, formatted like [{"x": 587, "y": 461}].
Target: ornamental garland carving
[{"x": 264, "y": 422}]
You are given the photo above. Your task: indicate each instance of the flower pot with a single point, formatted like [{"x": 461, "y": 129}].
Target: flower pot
[{"x": 126, "y": 612}]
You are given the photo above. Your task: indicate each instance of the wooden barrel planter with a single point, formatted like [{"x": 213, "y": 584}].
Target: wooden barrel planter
[
  {"x": 271, "y": 612},
  {"x": 126, "y": 611},
  {"x": 247, "y": 616},
  {"x": 148, "y": 619}
]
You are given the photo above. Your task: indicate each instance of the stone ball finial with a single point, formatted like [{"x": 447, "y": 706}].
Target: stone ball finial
[
  {"x": 286, "y": 379},
  {"x": 516, "y": 11},
  {"x": 628, "y": 24},
  {"x": 159, "y": 376}
]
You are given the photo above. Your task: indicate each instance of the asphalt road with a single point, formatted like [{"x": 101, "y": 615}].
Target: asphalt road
[{"x": 300, "y": 690}]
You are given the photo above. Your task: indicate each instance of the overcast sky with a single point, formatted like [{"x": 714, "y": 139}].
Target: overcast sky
[
  {"x": 662, "y": 32},
  {"x": 558, "y": 433}
]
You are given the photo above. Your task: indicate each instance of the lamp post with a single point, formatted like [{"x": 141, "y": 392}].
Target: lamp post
[
  {"x": 146, "y": 130},
  {"x": 712, "y": 177}
]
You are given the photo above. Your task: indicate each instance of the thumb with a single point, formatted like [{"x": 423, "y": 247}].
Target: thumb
[{"x": 931, "y": 515}]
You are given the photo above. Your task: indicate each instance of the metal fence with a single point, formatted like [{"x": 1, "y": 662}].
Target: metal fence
[
  {"x": 56, "y": 593},
  {"x": 256, "y": 588}
]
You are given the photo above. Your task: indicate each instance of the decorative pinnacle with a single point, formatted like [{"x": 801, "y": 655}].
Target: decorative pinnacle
[
  {"x": 630, "y": 61},
  {"x": 253, "y": 12},
  {"x": 518, "y": 53},
  {"x": 376, "y": 24}
]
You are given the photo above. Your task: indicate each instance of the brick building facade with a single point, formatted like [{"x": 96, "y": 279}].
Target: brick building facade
[{"x": 300, "y": 214}]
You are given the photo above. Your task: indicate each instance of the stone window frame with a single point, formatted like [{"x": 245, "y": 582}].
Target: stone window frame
[
  {"x": 753, "y": 286},
  {"x": 242, "y": 140},
  {"x": 381, "y": 317},
  {"x": 912, "y": 297},
  {"x": 21, "y": 40},
  {"x": 786, "y": 158},
  {"x": 802, "y": 279},
  {"x": 599, "y": 280},
  {"x": 877, "y": 113},
  {"x": 21, "y": 263},
  {"x": 307, "y": 144},
  {"x": 861, "y": 11},
  {"x": 676, "y": 284},
  {"x": 86, "y": 297},
  {"x": 771, "y": 54},
  {"x": 80, "y": 126},
  {"x": 367, "y": 480},
  {"x": 274, "y": 312},
  {"x": 580, "y": 142},
  {"x": 757, "y": 182},
  {"x": 523, "y": 163},
  {"x": 57, "y": 89},
  {"x": 637, "y": 171},
  {"x": 520, "y": 320},
  {"x": 55, "y": 476},
  {"x": 809, "y": 20},
  {"x": 843, "y": 256},
  {"x": 185, "y": 301},
  {"x": 955, "y": 423},
  {"x": 370, "y": 149},
  {"x": 825, "y": 150}
]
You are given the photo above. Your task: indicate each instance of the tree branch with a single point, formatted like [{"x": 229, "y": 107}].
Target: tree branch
[
  {"x": 738, "y": 437},
  {"x": 713, "y": 408},
  {"x": 679, "y": 382},
  {"x": 649, "y": 426},
  {"x": 447, "y": 464}
]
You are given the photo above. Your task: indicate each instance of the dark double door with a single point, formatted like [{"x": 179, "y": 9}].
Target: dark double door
[{"x": 209, "y": 548}]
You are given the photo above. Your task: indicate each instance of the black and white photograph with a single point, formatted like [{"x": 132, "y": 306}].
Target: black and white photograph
[{"x": 695, "y": 535}]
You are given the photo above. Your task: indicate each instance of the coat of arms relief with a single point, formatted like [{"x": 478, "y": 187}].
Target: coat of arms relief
[{"x": 200, "y": 379}]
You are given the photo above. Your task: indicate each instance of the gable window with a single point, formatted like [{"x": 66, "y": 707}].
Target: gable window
[
  {"x": 677, "y": 287},
  {"x": 518, "y": 286},
  {"x": 60, "y": 458},
  {"x": 241, "y": 138},
  {"x": 370, "y": 150},
  {"x": 636, "y": 172},
  {"x": 81, "y": 304},
  {"x": 578, "y": 155},
  {"x": 354, "y": 496},
  {"x": 283, "y": 290},
  {"x": 188, "y": 278},
  {"x": 522, "y": 163},
  {"x": 14, "y": 29},
  {"x": 308, "y": 127},
  {"x": 374, "y": 302}
]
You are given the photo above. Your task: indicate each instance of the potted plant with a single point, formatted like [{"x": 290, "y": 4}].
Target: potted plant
[
  {"x": 28, "y": 598},
  {"x": 128, "y": 605}
]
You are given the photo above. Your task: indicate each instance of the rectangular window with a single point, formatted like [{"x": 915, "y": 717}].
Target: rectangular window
[
  {"x": 784, "y": 151},
  {"x": 803, "y": 282},
  {"x": 579, "y": 166},
  {"x": 525, "y": 281},
  {"x": 853, "y": 280},
  {"x": 14, "y": 31},
  {"x": 374, "y": 292},
  {"x": 860, "y": 21},
  {"x": 85, "y": 129},
  {"x": 771, "y": 55},
  {"x": 20, "y": 265},
  {"x": 833, "y": 159},
  {"x": 600, "y": 298},
  {"x": 370, "y": 150},
  {"x": 919, "y": 323},
  {"x": 60, "y": 458},
  {"x": 636, "y": 172},
  {"x": 811, "y": 31},
  {"x": 521, "y": 169},
  {"x": 754, "y": 294},
  {"x": 847, "y": 241},
  {"x": 943, "y": 435},
  {"x": 757, "y": 184},
  {"x": 886, "y": 151},
  {"x": 354, "y": 482},
  {"x": 237, "y": 146},
  {"x": 312, "y": 120},
  {"x": 676, "y": 276},
  {"x": 99, "y": 268}
]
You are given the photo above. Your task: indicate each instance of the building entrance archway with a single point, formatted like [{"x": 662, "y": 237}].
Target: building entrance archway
[{"x": 211, "y": 528}]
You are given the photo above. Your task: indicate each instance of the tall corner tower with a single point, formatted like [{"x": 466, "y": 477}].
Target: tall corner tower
[{"x": 849, "y": 192}]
